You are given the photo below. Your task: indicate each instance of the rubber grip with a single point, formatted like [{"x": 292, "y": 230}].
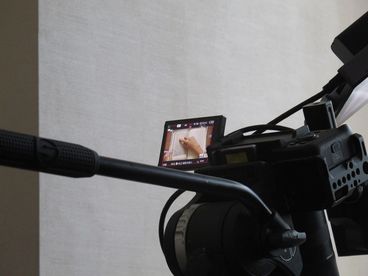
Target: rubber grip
[{"x": 46, "y": 155}]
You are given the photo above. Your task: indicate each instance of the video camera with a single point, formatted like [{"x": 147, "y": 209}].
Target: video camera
[
  {"x": 299, "y": 173},
  {"x": 259, "y": 207},
  {"x": 296, "y": 172}
]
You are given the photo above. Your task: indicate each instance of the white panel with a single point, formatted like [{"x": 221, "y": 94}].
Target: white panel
[{"x": 111, "y": 73}]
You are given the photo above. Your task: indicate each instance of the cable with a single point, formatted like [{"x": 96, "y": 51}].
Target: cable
[
  {"x": 164, "y": 211},
  {"x": 334, "y": 83},
  {"x": 297, "y": 107},
  {"x": 258, "y": 128}
]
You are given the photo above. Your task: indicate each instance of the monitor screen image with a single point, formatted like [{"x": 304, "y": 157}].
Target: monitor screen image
[{"x": 185, "y": 141}]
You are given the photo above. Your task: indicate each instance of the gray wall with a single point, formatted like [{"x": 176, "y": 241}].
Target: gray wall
[
  {"x": 111, "y": 72},
  {"x": 19, "y": 193}
]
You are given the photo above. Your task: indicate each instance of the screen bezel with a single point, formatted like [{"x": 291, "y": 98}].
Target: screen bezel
[{"x": 218, "y": 132}]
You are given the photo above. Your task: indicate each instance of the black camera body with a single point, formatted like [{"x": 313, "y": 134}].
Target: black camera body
[
  {"x": 298, "y": 173},
  {"x": 310, "y": 170}
]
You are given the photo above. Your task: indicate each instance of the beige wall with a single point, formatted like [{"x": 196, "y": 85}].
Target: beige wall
[{"x": 19, "y": 191}]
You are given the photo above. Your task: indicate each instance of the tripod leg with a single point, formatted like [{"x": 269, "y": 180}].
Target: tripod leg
[{"x": 317, "y": 252}]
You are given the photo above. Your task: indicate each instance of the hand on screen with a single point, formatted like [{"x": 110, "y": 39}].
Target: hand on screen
[
  {"x": 191, "y": 143},
  {"x": 167, "y": 156}
]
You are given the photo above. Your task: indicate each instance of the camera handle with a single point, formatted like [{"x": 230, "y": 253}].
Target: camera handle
[{"x": 66, "y": 159}]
